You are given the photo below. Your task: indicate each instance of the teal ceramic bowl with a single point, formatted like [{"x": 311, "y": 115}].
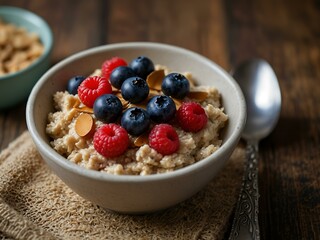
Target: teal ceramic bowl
[{"x": 16, "y": 87}]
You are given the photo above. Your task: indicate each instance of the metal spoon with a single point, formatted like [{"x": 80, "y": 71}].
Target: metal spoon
[{"x": 262, "y": 93}]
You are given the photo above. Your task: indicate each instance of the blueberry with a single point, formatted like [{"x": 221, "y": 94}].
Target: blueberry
[
  {"x": 142, "y": 66},
  {"x": 135, "y": 89},
  {"x": 120, "y": 74},
  {"x": 135, "y": 120},
  {"x": 74, "y": 83},
  {"x": 107, "y": 108},
  {"x": 175, "y": 85},
  {"x": 161, "y": 108}
]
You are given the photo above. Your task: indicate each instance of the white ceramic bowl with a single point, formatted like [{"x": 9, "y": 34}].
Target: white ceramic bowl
[{"x": 136, "y": 194}]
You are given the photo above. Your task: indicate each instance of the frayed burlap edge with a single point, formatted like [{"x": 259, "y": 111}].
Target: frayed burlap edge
[{"x": 35, "y": 204}]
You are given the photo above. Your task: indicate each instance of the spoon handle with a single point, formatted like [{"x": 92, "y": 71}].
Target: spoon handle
[{"x": 245, "y": 224}]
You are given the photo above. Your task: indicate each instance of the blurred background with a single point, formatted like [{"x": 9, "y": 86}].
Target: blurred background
[{"x": 285, "y": 33}]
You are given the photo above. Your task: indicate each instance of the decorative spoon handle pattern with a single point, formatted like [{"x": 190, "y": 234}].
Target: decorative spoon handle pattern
[{"x": 245, "y": 224}]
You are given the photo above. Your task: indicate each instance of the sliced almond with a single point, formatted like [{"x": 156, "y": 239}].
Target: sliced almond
[
  {"x": 74, "y": 102},
  {"x": 141, "y": 140},
  {"x": 155, "y": 78},
  {"x": 198, "y": 95},
  {"x": 84, "y": 109},
  {"x": 178, "y": 102},
  {"x": 126, "y": 105},
  {"x": 189, "y": 76},
  {"x": 84, "y": 124},
  {"x": 153, "y": 93},
  {"x": 96, "y": 72},
  {"x": 122, "y": 100},
  {"x": 139, "y": 105},
  {"x": 115, "y": 90}
]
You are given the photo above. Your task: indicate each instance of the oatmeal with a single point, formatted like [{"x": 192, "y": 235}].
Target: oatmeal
[{"x": 77, "y": 129}]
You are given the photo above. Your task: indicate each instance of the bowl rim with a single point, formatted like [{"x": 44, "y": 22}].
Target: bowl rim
[
  {"x": 24, "y": 13},
  {"x": 49, "y": 152}
]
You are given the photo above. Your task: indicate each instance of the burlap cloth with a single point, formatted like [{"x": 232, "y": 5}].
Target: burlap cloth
[{"x": 35, "y": 204}]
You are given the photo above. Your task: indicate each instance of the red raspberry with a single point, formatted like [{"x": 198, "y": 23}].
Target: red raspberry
[
  {"x": 191, "y": 117},
  {"x": 164, "y": 139},
  {"x": 110, "y": 64},
  {"x": 92, "y": 88},
  {"x": 111, "y": 140}
]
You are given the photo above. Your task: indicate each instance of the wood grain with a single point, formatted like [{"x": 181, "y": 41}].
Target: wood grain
[
  {"x": 287, "y": 36},
  {"x": 285, "y": 33}
]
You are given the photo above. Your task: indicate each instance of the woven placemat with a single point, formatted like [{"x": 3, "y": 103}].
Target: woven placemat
[{"x": 35, "y": 204}]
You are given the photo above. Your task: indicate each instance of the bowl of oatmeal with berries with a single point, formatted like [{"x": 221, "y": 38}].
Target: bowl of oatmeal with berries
[{"x": 136, "y": 127}]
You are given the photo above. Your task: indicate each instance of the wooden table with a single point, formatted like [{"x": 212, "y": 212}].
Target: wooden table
[{"x": 228, "y": 32}]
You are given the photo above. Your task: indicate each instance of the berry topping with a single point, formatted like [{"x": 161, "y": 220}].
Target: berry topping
[
  {"x": 161, "y": 108},
  {"x": 107, "y": 108},
  {"x": 111, "y": 140},
  {"x": 142, "y": 66},
  {"x": 164, "y": 139},
  {"x": 135, "y": 120},
  {"x": 74, "y": 83},
  {"x": 110, "y": 64},
  {"x": 93, "y": 87},
  {"x": 191, "y": 117},
  {"x": 175, "y": 85},
  {"x": 135, "y": 89},
  {"x": 120, "y": 74}
]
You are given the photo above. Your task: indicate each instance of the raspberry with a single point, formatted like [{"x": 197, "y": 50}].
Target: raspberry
[
  {"x": 191, "y": 117},
  {"x": 92, "y": 88},
  {"x": 164, "y": 139},
  {"x": 110, "y": 64},
  {"x": 111, "y": 140}
]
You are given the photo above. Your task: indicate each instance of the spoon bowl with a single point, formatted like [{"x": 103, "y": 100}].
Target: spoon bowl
[{"x": 261, "y": 91}]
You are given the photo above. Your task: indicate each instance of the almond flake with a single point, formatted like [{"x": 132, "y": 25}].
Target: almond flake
[
  {"x": 139, "y": 105},
  {"x": 74, "y": 102},
  {"x": 155, "y": 78},
  {"x": 122, "y": 100},
  {"x": 115, "y": 90},
  {"x": 84, "y": 109},
  {"x": 153, "y": 93},
  {"x": 198, "y": 95},
  {"x": 141, "y": 140},
  {"x": 96, "y": 72},
  {"x": 84, "y": 124},
  {"x": 178, "y": 102},
  {"x": 189, "y": 76},
  {"x": 126, "y": 105}
]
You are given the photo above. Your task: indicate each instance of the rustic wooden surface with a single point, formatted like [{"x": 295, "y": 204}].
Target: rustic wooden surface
[{"x": 285, "y": 33}]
